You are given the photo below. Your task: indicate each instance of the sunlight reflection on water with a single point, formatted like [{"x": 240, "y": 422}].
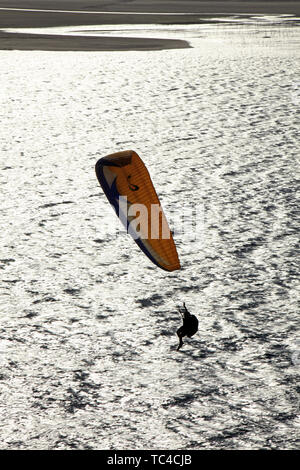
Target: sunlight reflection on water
[{"x": 87, "y": 349}]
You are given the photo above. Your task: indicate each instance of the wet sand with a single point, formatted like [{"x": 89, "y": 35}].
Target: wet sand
[
  {"x": 25, "y": 42},
  {"x": 81, "y": 12}
]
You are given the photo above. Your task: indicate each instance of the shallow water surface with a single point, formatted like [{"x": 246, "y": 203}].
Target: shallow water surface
[{"x": 87, "y": 335}]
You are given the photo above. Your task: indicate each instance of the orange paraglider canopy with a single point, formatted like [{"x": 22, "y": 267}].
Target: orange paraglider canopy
[{"x": 127, "y": 184}]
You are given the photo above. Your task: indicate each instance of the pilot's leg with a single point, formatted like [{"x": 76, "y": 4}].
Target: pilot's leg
[{"x": 180, "y": 335}]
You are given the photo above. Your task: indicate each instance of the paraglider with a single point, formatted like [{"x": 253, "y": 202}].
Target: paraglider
[{"x": 127, "y": 185}]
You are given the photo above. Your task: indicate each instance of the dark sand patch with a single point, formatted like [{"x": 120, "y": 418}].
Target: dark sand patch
[
  {"x": 160, "y": 6},
  {"x": 44, "y": 42}
]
